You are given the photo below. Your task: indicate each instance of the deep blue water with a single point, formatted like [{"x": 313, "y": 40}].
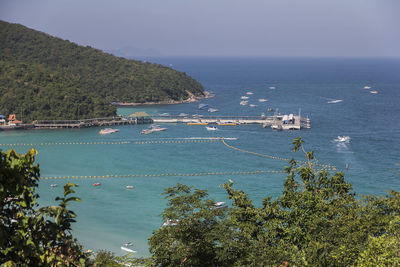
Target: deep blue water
[{"x": 110, "y": 215}]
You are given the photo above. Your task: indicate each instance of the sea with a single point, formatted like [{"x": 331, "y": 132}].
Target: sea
[{"x": 329, "y": 91}]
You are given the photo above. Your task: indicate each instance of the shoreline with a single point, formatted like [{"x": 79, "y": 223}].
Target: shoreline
[{"x": 191, "y": 99}]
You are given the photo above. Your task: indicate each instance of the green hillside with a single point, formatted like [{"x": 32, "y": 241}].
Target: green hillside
[{"x": 49, "y": 78}]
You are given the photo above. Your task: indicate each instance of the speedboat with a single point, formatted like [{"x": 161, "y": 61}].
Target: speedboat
[
  {"x": 54, "y": 185},
  {"x": 252, "y": 105},
  {"x": 108, "y": 131},
  {"x": 373, "y": 92},
  {"x": 244, "y": 97},
  {"x": 202, "y": 106},
  {"x": 152, "y": 129},
  {"x": 367, "y": 87},
  {"x": 96, "y": 184},
  {"x": 272, "y": 87},
  {"x": 129, "y": 244},
  {"x": 262, "y": 100},
  {"x": 335, "y": 101},
  {"x": 212, "y": 110},
  {"x": 249, "y": 93},
  {"x": 343, "y": 139},
  {"x": 220, "y": 205},
  {"x": 243, "y": 103},
  {"x": 129, "y": 187},
  {"x": 164, "y": 114},
  {"x": 128, "y": 249},
  {"x": 211, "y": 128},
  {"x": 183, "y": 114}
]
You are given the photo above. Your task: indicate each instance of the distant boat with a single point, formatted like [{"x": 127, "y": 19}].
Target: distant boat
[
  {"x": 342, "y": 139},
  {"x": 212, "y": 110},
  {"x": 54, "y": 185},
  {"x": 183, "y": 114},
  {"x": 249, "y": 93},
  {"x": 373, "y": 92},
  {"x": 272, "y": 87},
  {"x": 262, "y": 100},
  {"x": 108, "y": 131},
  {"x": 270, "y": 109},
  {"x": 367, "y": 87},
  {"x": 243, "y": 103},
  {"x": 220, "y": 205},
  {"x": 152, "y": 129},
  {"x": 164, "y": 114},
  {"x": 252, "y": 105},
  {"x": 335, "y": 101},
  {"x": 96, "y": 184},
  {"x": 202, "y": 106},
  {"x": 211, "y": 128},
  {"x": 128, "y": 249},
  {"x": 244, "y": 97},
  {"x": 129, "y": 187}
]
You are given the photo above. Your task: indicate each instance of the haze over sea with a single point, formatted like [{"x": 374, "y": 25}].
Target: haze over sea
[{"x": 111, "y": 215}]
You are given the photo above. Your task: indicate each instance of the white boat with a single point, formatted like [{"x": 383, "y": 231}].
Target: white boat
[
  {"x": 342, "y": 139},
  {"x": 262, "y": 100},
  {"x": 272, "y": 87},
  {"x": 212, "y": 110},
  {"x": 220, "y": 205},
  {"x": 129, "y": 187},
  {"x": 252, "y": 105},
  {"x": 129, "y": 244},
  {"x": 128, "y": 249},
  {"x": 108, "y": 131},
  {"x": 183, "y": 114},
  {"x": 373, "y": 92},
  {"x": 334, "y": 101},
  {"x": 367, "y": 87},
  {"x": 243, "y": 103},
  {"x": 249, "y": 93},
  {"x": 170, "y": 223},
  {"x": 54, "y": 185},
  {"x": 244, "y": 97},
  {"x": 152, "y": 129},
  {"x": 164, "y": 114},
  {"x": 211, "y": 128}
]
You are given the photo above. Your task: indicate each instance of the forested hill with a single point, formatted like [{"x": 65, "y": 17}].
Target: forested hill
[{"x": 49, "y": 78}]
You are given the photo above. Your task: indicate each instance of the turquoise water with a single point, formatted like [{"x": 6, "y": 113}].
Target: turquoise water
[{"x": 110, "y": 215}]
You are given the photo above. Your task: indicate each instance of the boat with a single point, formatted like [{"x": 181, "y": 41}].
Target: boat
[
  {"x": 108, "y": 131},
  {"x": 249, "y": 93},
  {"x": 243, "y": 103},
  {"x": 244, "y": 97},
  {"x": 54, "y": 185},
  {"x": 197, "y": 123},
  {"x": 272, "y": 87},
  {"x": 170, "y": 223},
  {"x": 96, "y": 184},
  {"x": 129, "y": 187},
  {"x": 211, "y": 128},
  {"x": 128, "y": 249},
  {"x": 129, "y": 244},
  {"x": 252, "y": 105},
  {"x": 342, "y": 139},
  {"x": 220, "y": 205},
  {"x": 202, "y": 106},
  {"x": 262, "y": 100},
  {"x": 335, "y": 101},
  {"x": 367, "y": 87},
  {"x": 183, "y": 114},
  {"x": 164, "y": 114},
  {"x": 373, "y": 92},
  {"x": 227, "y": 123},
  {"x": 270, "y": 109},
  {"x": 212, "y": 110},
  {"x": 152, "y": 129}
]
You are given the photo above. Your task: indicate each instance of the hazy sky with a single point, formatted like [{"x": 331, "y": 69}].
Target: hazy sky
[{"x": 219, "y": 27}]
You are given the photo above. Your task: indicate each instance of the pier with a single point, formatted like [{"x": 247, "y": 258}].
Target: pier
[{"x": 278, "y": 122}]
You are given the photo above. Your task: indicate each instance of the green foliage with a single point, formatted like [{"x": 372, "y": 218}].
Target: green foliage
[
  {"x": 317, "y": 221},
  {"x": 48, "y": 78},
  {"x": 30, "y": 236}
]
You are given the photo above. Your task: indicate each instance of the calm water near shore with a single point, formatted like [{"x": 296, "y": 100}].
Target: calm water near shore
[{"x": 110, "y": 215}]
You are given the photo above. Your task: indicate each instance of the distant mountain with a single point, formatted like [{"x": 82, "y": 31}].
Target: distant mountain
[{"x": 45, "y": 77}]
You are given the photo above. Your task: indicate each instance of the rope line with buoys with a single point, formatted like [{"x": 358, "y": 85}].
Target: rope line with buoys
[
  {"x": 162, "y": 175},
  {"x": 112, "y": 143},
  {"x": 324, "y": 166}
]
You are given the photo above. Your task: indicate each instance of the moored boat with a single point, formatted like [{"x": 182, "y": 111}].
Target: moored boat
[
  {"x": 212, "y": 110},
  {"x": 108, "y": 131},
  {"x": 211, "y": 128},
  {"x": 152, "y": 129},
  {"x": 243, "y": 103}
]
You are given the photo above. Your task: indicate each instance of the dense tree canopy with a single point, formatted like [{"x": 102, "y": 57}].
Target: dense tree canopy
[{"x": 45, "y": 77}]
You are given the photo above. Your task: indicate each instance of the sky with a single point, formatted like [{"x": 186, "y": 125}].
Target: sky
[{"x": 256, "y": 28}]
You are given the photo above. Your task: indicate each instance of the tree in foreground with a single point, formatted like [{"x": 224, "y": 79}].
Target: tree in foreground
[
  {"x": 317, "y": 221},
  {"x": 30, "y": 236}
]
